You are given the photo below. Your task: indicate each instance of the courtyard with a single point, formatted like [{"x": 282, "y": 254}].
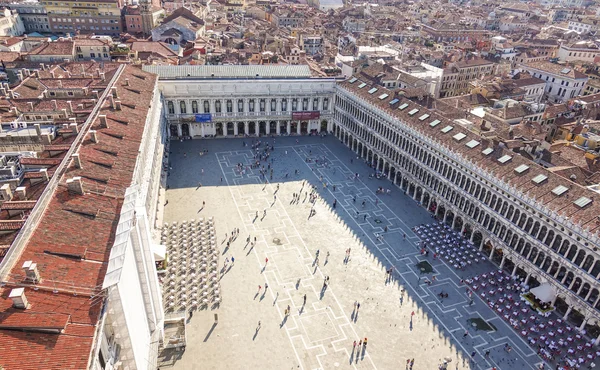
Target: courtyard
[{"x": 402, "y": 316}]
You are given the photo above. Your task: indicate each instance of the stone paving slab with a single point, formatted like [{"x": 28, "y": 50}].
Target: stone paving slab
[{"x": 319, "y": 334}]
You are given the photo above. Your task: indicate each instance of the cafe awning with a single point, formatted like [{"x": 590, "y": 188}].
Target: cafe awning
[{"x": 545, "y": 292}]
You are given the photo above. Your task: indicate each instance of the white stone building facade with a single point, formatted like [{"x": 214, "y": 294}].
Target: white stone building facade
[
  {"x": 520, "y": 235},
  {"x": 263, "y": 100}
]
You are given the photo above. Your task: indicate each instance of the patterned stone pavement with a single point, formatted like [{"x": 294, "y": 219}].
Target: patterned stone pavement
[{"x": 319, "y": 334}]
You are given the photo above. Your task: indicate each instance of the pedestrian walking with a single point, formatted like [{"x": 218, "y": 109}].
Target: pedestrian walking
[
  {"x": 232, "y": 260},
  {"x": 354, "y": 345},
  {"x": 266, "y": 286},
  {"x": 357, "y": 307},
  {"x": 259, "y": 288},
  {"x": 466, "y": 334},
  {"x": 304, "y": 299}
]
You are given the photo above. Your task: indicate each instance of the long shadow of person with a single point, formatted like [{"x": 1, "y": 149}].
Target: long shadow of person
[
  {"x": 255, "y": 333},
  {"x": 283, "y": 321}
]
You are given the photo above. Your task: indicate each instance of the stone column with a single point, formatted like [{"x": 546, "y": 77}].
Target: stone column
[
  {"x": 278, "y": 128},
  {"x": 502, "y": 262},
  {"x": 289, "y": 127},
  {"x": 256, "y": 128},
  {"x": 235, "y": 128},
  {"x": 568, "y": 312},
  {"x": 514, "y": 271},
  {"x": 179, "y": 131},
  {"x": 268, "y": 127},
  {"x": 298, "y": 125},
  {"x": 247, "y": 128},
  {"x": 202, "y": 129}
]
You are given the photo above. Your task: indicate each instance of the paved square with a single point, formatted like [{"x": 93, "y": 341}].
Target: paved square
[{"x": 319, "y": 334}]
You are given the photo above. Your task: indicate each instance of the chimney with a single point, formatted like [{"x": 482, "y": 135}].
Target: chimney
[
  {"x": 126, "y": 82},
  {"x": 21, "y": 191},
  {"x": 52, "y": 74},
  {"x": 38, "y": 129},
  {"x": 6, "y": 192},
  {"x": 11, "y": 94},
  {"x": 70, "y": 104},
  {"x": 93, "y": 136},
  {"x": 32, "y": 274},
  {"x": 65, "y": 113},
  {"x": 114, "y": 92},
  {"x": 2, "y": 91},
  {"x": 36, "y": 73},
  {"x": 76, "y": 160},
  {"x": 102, "y": 76},
  {"x": 112, "y": 101},
  {"x": 96, "y": 94},
  {"x": 44, "y": 173},
  {"x": 43, "y": 66},
  {"x": 60, "y": 84},
  {"x": 73, "y": 126},
  {"x": 82, "y": 69},
  {"x": 20, "y": 75},
  {"x": 18, "y": 297},
  {"x": 75, "y": 185},
  {"x": 26, "y": 72},
  {"x": 30, "y": 104},
  {"x": 54, "y": 104},
  {"x": 103, "y": 121},
  {"x": 86, "y": 90},
  {"x": 117, "y": 104}
]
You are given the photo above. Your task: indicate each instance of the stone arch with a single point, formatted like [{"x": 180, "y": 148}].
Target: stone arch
[
  {"x": 458, "y": 223},
  {"x": 572, "y": 252},
  {"x": 477, "y": 238},
  {"x": 220, "y": 130},
  {"x": 585, "y": 289},
  {"x": 449, "y": 217},
  {"x": 596, "y": 270},
  {"x": 487, "y": 247},
  {"x": 589, "y": 260},
  {"x": 569, "y": 279},
  {"x": 580, "y": 257}
]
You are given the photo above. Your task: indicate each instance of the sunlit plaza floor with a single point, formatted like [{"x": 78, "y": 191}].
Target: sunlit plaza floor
[{"x": 320, "y": 333}]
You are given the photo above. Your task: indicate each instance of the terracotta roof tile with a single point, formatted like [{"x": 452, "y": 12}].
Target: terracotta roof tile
[{"x": 72, "y": 241}]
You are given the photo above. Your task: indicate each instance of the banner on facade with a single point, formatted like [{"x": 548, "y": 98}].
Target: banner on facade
[
  {"x": 305, "y": 116},
  {"x": 204, "y": 117}
]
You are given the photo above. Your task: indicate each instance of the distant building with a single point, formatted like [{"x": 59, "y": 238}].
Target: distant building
[
  {"x": 179, "y": 27},
  {"x": 585, "y": 51},
  {"x": 11, "y": 23},
  {"x": 33, "y": 15},
  {"x": 562, "y": 82},
  {"x": 457, "y": 76},
  {"x": 97, "y": 17}
]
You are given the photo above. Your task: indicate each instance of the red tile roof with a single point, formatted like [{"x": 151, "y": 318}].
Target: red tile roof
[
  {"x": 25, "y": 204},
  {"x": 19, "y": 319},
  {"x": 72, "y": 241}
]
